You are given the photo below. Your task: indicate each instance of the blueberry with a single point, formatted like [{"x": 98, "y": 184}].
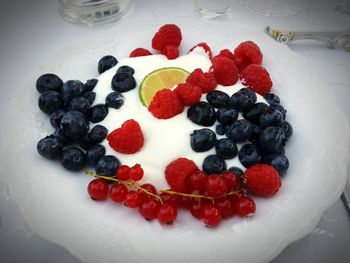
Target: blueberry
[
  {"x": 241, "y": 101},
  {"x": 90, "y": 84},
  {"x": 214, "y": 164},
  {"x": 91, "y": 96},
  {"x": 50, "y": 147},
  {"x": 220, "y": 129},
  {"x": 287, "y": 128},
  {"x": 280, "y": 108},
  {"x": 218, "y": 98},
  {"x": 256, "y": 130},
  {"x": 97, "y": 134},
  {"x": 73, "y": 158},
  {"x": 239, "y": 131},
  {"x": 61, "y": 137},
  {"x": 270, "y": 118},
  {"x": 248, "y": 91},
  {"x": 123, "y": 82},
  {"x": 97, "y": 113},
  {"x": 226, "y": 148},
  {"x": 74, "y": 125},
  {"x": 106, "y": 63},
  {"x": 95, "y": 153},
  {"x": 107, "y": 165},
  {"x": 56, "y": 117},
  {"x": 126, "y": 69},
  {"x": 202, "y": 140},
  {"x": 279, "y": 162},
  {"x": 272, "y": 140},
  {"x": 80, "y": 104},
  {"x": 272, "y": 98},
  {"x": 50, "y": 101},
  {"x": 237, "y": 171},
  {"x": 202, "y": 113},
  {"x": 115, "y": 100},
  {"x": 253, "y": 114},
  {"x": 226, "y": 116},
  {"x": 49, "y": 82},
  {"x": 72, "y": 89},
  {"x": 249, "y": 155}
]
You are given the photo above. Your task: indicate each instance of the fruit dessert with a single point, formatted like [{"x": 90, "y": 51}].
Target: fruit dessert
[{"x": 162, "y": 131}]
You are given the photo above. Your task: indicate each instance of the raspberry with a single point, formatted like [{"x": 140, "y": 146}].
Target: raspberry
[
  {"x": 247, "y": 53},
  {"x": 171, "y": 52},
  {"x": 206, "y": 81},
  {"x": 226, "y": 53},
  {"x": 165, "y": 104},
  {"x": 140, "y": 52},
  {"x": 203, "y": 46},
  {"x": 257, "y": 78},
  {"x": 262, "y": 180},
  {"x": 225, "y": 71},
  {"x": 177, "y": 171},
  {"x": 168, "y": 34},
  {"x": 188, "y": 93},
  {"x": 126, "y": 139}
]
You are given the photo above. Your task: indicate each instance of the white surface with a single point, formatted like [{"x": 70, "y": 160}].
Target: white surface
[{"x": 29, "y": 40}]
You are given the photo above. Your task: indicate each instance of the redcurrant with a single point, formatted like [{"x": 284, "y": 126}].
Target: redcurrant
[
  {"x": 167, "y": 213},
  {"x": 118, "y": 192},
  {"x": 149, "y": 209},
  {"x": 136, "y": 172},
  {"x": 211, "y": 215},
  {"x": 215, "y": 185},
  {"x": 123, "y": 172},
  {"x": 98, "y": 189}
]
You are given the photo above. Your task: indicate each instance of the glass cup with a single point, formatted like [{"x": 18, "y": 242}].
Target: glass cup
[
  {"x": 93, "y": 12},
  {"x": 274, "y": 7},
  {"x": 212, "y": 8}
]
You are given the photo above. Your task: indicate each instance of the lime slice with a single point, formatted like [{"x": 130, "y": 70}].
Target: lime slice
[{"x": 164, "y": 78}]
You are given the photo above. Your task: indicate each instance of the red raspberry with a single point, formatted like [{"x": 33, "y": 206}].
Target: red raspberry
[
  {"x": 211, "y": 215},
  {"x": 127, "y": 139},
  {"x": 257, "y": 78},
  {"x": 225, "y": 71},
  {"x": 169, "y": 34},
  {"x": 245, "y": 206},
  {"x": 139, "y": 52},
  {"x": 167, "y": 213},
  {"x": 226, "y": 53},
  {"x": 262, "y": 180},
  {"x": 171, "y": 52},
  {"x": 215, "y": 185},
  {"x": 165, "y": 104},
  {"x": 205, "y": 47},
  {"x": 206, "y": 81},
  {"x": 98, "y": 189},
  {"x": 247, "y": 53},
  {"x": 177, "y": 171},
  {"x": 188, "y": 93}
]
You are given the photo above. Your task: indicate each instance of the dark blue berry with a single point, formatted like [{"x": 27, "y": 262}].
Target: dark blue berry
[
  {"x": 217, "y": 98},
  {"x": 220, "y": 129},
  {"x": 256, "y": 130},
  {"x": 74, "y": 125},
  {"x": 126, "y": 69},
  {"x": 72, "y": 89},
  {"x": 253, "y": 114},
  {"x": 270, "y": 118},
  {"x": 249, "y": 155},
  {"x": 90, "y": 84},
  {"x": 73, "y": 158},
  {"x": 97, "y": 134},
  {"x": 237, "y": 171},
  {"x": 107, "y": 165},
  {"x": 241, "y": 101},
  {"x": 272, "y": 98},
  {"x": 80, "y": 104},
  {"x": 106, "y": 63},
  {"x": 55, "y": 118},
  {"x": 202, "y": 140},
  {"x": 49, "y": 82},
  {"x": 239, "y": 131},
  {"x": 50, "y": 101},
  {"x": 91, "y": 96},
  {"x": 279, "y": 162},
  {"x": 95, "y": 153},
  {"x": 97, "y": 113},
  {"x": 272, "y": 140},
  {"x": 123, "y": 82},
  {"x": 63, "y": 138},
  {"x": 202, "y": 113},
  {"x": 288, "y": 129},
  {"x": 226, "y": 116},
  {"x": 248, "y": 91},
  {"x": 50, "y": 147},
  {"x": 115, "y": 100},
  {"x": 214, "y": 164},
  {"x": 280, "y": 108},
  {"x": 226, "y": 148}
]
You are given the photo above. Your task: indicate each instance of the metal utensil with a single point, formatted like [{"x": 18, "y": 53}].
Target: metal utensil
[{"x": 345, "y": 197}]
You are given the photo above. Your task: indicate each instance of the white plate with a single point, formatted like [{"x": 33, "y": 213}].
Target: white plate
[{"x": 56, "y": 205}]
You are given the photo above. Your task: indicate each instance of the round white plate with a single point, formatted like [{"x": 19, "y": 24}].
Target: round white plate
[{"x": 56, "y": 205}]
